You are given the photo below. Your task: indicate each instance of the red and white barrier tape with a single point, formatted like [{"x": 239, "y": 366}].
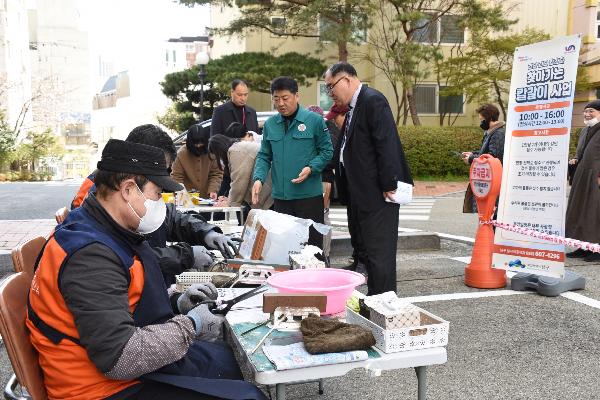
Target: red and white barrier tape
[{"x": 595, "y": 247}]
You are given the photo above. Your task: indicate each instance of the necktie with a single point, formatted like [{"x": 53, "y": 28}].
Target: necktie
[{"x": 346, "y": 130}]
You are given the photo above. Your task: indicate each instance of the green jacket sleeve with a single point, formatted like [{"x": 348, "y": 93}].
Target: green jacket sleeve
[
  {"x": 263, "y": 158},
  {"x": 324, "y": 148}
]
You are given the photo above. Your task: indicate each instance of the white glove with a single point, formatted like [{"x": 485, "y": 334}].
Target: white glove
[
  {"x": 208, "y": 325},
  {"x": 202, "y": 258},
  {"x": 196, "y": 294}
]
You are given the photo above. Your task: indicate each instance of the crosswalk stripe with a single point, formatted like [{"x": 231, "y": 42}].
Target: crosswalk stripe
[{"x": 418, "y": 210}]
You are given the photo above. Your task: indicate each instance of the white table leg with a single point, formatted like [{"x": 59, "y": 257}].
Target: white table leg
[
  {"x": 280, "y": 391},
  {"x": 421, "y": 382}
]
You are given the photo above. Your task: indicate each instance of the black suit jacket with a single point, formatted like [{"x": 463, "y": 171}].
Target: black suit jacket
[
  {"x": 373, "y": 157},
  {"x": 225, "y": 114}
]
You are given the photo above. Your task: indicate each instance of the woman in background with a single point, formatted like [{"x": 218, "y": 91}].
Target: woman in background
[
  {"x": 236, "y": 153},
  {"x": 194, "y": 168}
]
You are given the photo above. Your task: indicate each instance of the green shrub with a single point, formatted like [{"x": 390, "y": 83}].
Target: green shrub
[
  {"x": 429, "y": 149},
  {"x": 12, "y": 176},
  {"x": 24, "y": 176},
  {"x": 573, "y": 143}
]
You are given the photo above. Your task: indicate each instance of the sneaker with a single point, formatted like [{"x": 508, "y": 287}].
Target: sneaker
[
  {"x": 593, "y": 257},
  {"x": 579, "y": 253}
]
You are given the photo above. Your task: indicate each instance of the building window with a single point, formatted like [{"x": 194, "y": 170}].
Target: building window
[
  {"x": 425, "y": 98},
  {"x": 359, "y": 29},
  {"x": 429, "y": 100},
  {"x": 278, "y": 24},
  {"x": 167, "y": 56},
  {"x": 450, "y": 104},
  {"x": 174, "y": 56},
  {"x": 443, "y": 30},
  {"x": 450, "y": 31},
  {"x": 426, "y": 31},
  {"x": 598, "y": 21}
]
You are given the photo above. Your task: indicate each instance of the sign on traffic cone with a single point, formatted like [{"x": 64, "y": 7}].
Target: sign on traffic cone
[{"x": 485, "y": 179}]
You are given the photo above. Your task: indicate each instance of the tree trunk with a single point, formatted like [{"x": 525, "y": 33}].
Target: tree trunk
[
  {"x": 412, "y": 106},
  {"x": 404, "y": 108},
  {"x": 343, "y": 50},
  {"x": 499, "y": 99},
  {"x": 398, "y": 103}
]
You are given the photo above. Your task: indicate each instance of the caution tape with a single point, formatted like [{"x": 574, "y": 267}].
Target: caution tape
[{"x": 595, "y": 247}]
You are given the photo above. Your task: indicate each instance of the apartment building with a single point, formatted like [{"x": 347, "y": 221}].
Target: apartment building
[
  {"x": 554, "y": 17},
  {"x": 15, "y": 64}
]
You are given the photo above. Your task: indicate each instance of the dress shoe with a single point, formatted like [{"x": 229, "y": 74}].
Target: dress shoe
[
  {"x": 579, "y": 253},
  {"x": 351, "y": 266},
  {"x": 593, "y": 257}
]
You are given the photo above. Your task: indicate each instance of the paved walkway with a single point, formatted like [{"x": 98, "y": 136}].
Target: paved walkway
[
  {"x": 15, "y": 232},
  {"x": 424, "y": 188}
]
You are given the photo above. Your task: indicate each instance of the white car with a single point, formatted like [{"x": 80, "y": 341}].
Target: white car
[{"x": 262, "y": 116}]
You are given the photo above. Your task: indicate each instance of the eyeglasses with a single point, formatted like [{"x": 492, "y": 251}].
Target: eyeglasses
[{"x": 329, "y": 88}]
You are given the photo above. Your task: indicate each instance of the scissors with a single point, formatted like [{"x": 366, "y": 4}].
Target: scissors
[{"x": 223, "y": 307}]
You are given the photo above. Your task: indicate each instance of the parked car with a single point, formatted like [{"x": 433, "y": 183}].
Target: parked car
[{"x": 262, "y": 116}]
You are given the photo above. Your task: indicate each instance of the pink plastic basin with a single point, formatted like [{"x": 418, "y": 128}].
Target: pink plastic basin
[{"x": 337, "y": 284}]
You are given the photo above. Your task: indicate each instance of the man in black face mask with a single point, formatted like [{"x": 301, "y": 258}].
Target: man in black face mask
[
  {"x": 194, "y": 168},
  {"x": 492, "y": 144}
]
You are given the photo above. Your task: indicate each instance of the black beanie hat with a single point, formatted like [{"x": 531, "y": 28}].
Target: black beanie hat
[
  {"x": 594, "y": 104},
  {"x": 138, "y": 159}
]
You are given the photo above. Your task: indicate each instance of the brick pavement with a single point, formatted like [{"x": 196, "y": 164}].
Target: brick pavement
[
  {"x": 425, "y": 188},
  {"x": 15, "y": 232}
]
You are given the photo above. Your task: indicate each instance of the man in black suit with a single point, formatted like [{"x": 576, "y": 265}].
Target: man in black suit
[
  {"x": 371, "y": 161},
  {"x": 235, "y": 110}
]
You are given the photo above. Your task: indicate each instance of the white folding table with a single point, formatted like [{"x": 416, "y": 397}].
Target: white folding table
[{"x": 417, "y": 359}]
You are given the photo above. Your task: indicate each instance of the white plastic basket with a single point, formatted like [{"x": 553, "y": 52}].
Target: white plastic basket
[
  {"x": 432, "y": 332},
  {"x": 186, "y": 279}
]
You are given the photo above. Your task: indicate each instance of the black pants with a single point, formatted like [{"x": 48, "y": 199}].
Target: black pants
[
  {"x": 149, "y": 390},
  {"x": 376, "y": 235},
  {"x": 310, "y": 208},
  {"x": 358, "y": 251}
]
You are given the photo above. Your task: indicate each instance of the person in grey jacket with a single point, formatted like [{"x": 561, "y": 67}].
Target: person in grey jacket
[
  {"x": 492, "y": 144},
  {"x": 238, "y": 156}
]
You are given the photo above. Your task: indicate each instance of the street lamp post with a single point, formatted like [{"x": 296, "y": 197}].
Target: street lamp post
[{"x": 201, "y": 61}]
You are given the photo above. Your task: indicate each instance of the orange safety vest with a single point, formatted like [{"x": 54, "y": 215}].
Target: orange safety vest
[
  {"x": 83, "y": 191},
  {"x": 68, "y": 371}
]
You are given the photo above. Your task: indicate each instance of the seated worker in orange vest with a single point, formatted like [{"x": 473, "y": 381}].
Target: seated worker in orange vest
[
  {"x": 191, "y": 231},
  {"x": 98, "y": 310}
]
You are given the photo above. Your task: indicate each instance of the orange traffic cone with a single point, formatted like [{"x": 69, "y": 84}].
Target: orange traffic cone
[{"x": 486, "y": 176}]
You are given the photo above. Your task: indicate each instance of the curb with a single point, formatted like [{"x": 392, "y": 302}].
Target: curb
[{"x": 407, "y": 241}]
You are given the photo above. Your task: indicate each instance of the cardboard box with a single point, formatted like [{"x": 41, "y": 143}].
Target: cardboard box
[
  {"x": 270, "y": 236},
  {"x": 253, "y": 238}
]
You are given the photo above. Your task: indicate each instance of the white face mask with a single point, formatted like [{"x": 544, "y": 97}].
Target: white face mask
[
  {"x": 590, "y": 122},
  {"x": 156, "y": 211}
]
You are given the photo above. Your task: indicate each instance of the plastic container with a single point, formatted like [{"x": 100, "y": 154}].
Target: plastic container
[
  {"x": 431, "y": 331},
  {"x": 336, "y": 284}
]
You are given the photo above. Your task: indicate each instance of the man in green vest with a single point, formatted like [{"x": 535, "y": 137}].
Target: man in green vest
[{"x": 296, "y": 146}]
